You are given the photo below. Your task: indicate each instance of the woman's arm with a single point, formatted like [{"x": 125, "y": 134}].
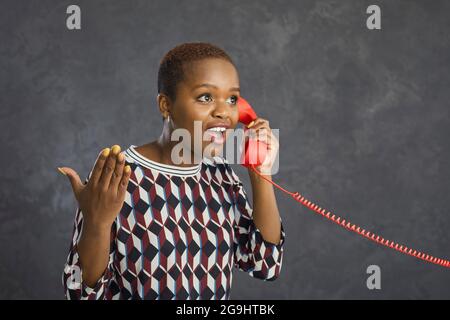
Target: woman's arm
[
  {"x": 73, "y": 277},
  {"x": 265, "y": 210},
  {"x": 260, "y": 256},
  {"x": 100, "y": 199},
  {"x": 94, "y": 249}
]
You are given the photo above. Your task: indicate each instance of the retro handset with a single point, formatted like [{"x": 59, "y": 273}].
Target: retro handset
[
  {"x": 254, "y": 151},
  {"x": 253, "y": 155}
]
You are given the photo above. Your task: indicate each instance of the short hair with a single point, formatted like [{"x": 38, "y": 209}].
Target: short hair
[{"x": 171, "y": 68}]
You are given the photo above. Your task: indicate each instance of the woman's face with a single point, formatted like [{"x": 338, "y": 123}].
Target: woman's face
[{"x": 208, "y": 94}]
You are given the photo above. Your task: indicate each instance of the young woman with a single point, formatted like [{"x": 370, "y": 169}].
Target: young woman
[{"x": 147, "y": 228}]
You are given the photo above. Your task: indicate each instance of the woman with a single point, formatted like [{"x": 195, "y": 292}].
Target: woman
[{"x": 149, "y": 228}]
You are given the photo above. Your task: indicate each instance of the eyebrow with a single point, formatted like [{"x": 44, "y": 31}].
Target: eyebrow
[{"x": 213, "y": 86}]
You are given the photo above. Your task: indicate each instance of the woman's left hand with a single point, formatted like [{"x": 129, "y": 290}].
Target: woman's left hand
[{"x": 260, "y": 127}]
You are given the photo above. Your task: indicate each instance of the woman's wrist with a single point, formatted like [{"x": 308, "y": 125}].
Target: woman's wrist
[
  {"x": 256, "y": 177},
  {"x": 96, "y": 229}
]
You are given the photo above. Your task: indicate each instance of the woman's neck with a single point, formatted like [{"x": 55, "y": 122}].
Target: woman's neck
[{"x": 160, "y": 150}]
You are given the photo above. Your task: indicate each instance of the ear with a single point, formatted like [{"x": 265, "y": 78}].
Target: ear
[{"x": 163, "y": 104}]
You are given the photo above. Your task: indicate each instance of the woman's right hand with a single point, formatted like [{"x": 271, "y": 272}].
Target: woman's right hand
[{"x": 101, "y": 199}]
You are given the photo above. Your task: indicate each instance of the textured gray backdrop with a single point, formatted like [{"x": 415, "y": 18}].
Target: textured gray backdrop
[{"x": 363, "y": 117}]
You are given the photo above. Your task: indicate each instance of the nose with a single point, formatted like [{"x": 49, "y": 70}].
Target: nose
[{"x": 221, "y": 110}]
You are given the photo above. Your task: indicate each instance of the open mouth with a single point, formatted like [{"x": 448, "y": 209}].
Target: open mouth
[{"x": 216, "y": 135}]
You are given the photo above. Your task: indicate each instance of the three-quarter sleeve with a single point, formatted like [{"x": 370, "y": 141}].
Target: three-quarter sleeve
[
  {"x": 72, "y": 277},
  {"x": 253, "y": 254}
]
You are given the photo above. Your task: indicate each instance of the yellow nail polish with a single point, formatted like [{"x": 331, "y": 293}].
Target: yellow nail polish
[
  {"x": 105, "y": 152},
  {"x": 251, "y": 123},
  {"x": 127, "y": 168},
  {"x": 115, "y": 149},
  {"x": 62, "y": 171}
]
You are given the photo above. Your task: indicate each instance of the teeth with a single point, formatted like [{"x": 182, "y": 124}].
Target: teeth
[{"x": 217, "y": 129}]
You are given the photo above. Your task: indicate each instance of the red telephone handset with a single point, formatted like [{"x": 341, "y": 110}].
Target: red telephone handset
[
  {"x": 253, "y": 155},
  {"x": 254, "y": 151}
]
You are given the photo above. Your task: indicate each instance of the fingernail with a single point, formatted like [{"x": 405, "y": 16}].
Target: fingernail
[
  {"x": 62, "y": 171},
  {"x": 105, "y": 152},
  {"x": 115, "y": 149},
  {"x": 127, "y": 168},
  {"x": 251, "y": 123}
]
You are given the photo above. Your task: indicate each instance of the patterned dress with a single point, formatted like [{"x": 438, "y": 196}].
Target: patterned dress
[{"x": 178, "y": 235}]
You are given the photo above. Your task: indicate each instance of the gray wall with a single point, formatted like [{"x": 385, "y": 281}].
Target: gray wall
[{"x": 363, "y": 117}]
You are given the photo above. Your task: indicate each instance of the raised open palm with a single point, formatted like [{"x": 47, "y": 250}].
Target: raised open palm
[{"x": 102, "y": 197}]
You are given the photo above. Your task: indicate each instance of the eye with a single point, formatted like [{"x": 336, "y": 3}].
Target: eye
[
  {"x": 234, "y": 99},
  {"x": 205, "y": 95}
]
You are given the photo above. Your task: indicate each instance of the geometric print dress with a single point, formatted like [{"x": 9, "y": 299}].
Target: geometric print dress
[{"x": 178, "y": 235}]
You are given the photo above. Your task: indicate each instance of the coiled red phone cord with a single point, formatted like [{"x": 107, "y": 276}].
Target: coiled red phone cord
[{"x": 352, "y": 227}]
